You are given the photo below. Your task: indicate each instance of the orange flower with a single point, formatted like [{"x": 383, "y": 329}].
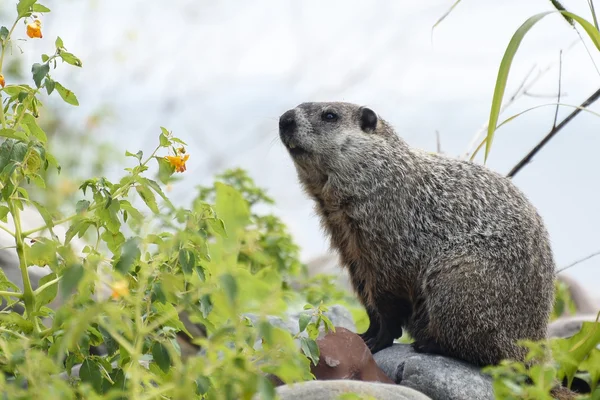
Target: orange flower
[
  {"x": 34, "y": 29},
  {"x": 120, "y": 289},
  {"x": 2, "y": 83},
  {"x": 178, "y": 162}
]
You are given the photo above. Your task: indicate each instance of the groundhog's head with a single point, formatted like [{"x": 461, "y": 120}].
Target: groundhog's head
[{"x": 334, "y": 139}]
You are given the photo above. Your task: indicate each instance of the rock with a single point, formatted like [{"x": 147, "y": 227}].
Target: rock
[
  {"x": 331, "y": 390},
  {"x": 441, "y": 378},
  {"x": 344, "y": 355},
  {"x": 584, "y": 302},
  {"x": 329, "y": 264},
  {"x": 568, "y": 326},
  {"x": 338, "y": 315}
]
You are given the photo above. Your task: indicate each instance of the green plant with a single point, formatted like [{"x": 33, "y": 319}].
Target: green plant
[{"x": 216, "y": 261}]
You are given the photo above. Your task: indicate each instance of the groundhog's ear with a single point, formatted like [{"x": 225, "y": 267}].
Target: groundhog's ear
[{"x": 368, "y": 119}]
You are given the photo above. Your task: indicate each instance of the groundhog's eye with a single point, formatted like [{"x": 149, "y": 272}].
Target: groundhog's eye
[{"x": 329, "y": 116}]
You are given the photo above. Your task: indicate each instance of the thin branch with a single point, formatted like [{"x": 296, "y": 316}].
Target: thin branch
[
  {"x": 559, "y": 87},
  {"x": 597, "y": 253},
  {"x": 544, "y": 96},
  {"x": 590, "y": 100},
  {"x": 438, "y": 142},
  {"x": 593, "y": 11}
]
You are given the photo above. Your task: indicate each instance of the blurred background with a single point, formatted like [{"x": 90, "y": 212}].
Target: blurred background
[{"x": 219, "y": 74}]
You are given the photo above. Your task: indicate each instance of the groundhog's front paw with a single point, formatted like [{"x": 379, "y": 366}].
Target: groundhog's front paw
[
  {"x": 427, "y": 346},
  {"x": 383, "y": 340}
]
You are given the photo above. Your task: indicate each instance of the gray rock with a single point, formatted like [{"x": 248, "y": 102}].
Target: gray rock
[
  {"x": 331, "y": 390},
  {"x": 441, "y": 378},
  {"x": 338, "y": 315},
  {"x": 568, "y": 326},
  {"x": 329, "y": 264}
]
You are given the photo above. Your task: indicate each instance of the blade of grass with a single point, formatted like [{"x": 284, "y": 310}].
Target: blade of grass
[{"x": 508, "y": 57}]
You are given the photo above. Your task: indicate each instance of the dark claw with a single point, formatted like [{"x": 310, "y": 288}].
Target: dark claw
[{"x": 429, "y": 347}]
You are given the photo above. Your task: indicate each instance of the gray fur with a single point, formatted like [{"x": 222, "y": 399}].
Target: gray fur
[{"x": 446, "y": 249}]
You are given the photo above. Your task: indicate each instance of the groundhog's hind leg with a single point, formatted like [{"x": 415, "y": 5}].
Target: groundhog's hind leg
[
  {"x": 419, "y": 330},
  {"x": 478, "y": 311}
]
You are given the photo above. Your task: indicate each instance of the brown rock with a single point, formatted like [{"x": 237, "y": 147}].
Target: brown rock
[{"x": 344, "y": 355}]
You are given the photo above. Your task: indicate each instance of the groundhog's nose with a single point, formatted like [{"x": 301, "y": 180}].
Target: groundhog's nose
[{"x": 287, "y": 122}]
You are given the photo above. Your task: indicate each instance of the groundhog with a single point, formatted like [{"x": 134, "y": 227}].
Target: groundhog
[{"x": 446, "y": 249}]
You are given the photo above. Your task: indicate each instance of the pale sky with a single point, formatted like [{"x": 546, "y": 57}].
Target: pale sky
[{"x": 219, "y": 74}]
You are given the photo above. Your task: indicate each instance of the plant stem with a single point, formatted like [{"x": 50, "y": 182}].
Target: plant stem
[
  {"x": 28, "y": 294},
  {"x": 46, "y": 285},
  {"x": 4, "y": 293}
]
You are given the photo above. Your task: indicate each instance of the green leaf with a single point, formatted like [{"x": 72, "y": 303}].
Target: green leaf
[
  {"x": 70, "y": 279},
  {"x": 45, "y": 214},
  {"x": 157, "y": 293},
  {"x": 137, "y": 155},
  {"x": 310, "y": 349},
  {"x": 39, "y": 72},
  {"x": 70, "y": 59},
  {"x": 230, "y": 286},
  {"x": 48, "y": 294},
  {"x": 265, "y": 388},
  {"x": 148, "y": 197},
  {"x": 570, "y": 352},
  {"x": 81, "y": 206},
  {"x": 202, "y": 384},
  {"x": 12, "y": 134},
  {"x": 4, "y": 213},
  {"x": 59, "y": 43},
  {"x": 40, "y": 8},
  {"x": 113, "y": 240},
  {"x": 3, "y": 33},
  {"x": 79, "y": 228},
  {"x": 164, "y": 141},
  {"x": 206, "y": 305},
  {"x": 49, "y": 84},
  {"x": 90, "y": 373},
  {"x": 154, "y": 186},
  {"x": 165, "y": 170},
  {"x": 592, "y": 365},
  {"x": 133, "y": 212},
  {"x": 42, "y": 253},
  {"x": 218, "y": 226},
  {"x": 24, "y": 7},
  {"x": 303, "y": 321},
  {"x": 161, "y": 356},
  {"x": 68, "y": 96},
  {"x": 508, "y": 57},
  {"x": 187, "y": 260},
  {"x": 129, "y": 253},
  {"x": 313, "y": 330},
  {"x": 15, "y": 319},
  {"x": 34, "y": 129},
  {"x": 11, "y": 150}
]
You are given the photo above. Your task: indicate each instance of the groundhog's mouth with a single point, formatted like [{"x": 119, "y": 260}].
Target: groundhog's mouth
[{"x": 294, "y": 149}]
